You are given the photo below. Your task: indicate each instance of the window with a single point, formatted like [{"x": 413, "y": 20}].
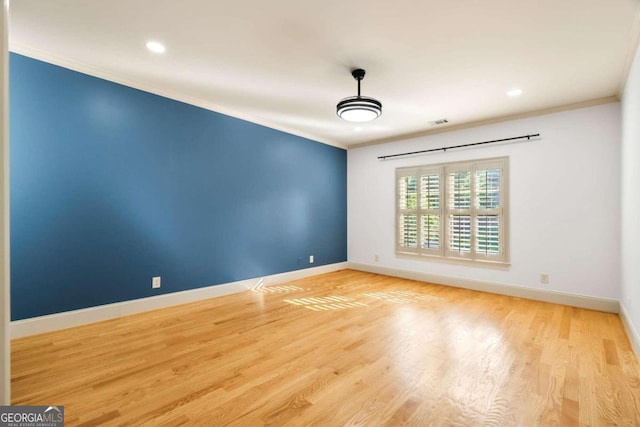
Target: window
[{"x": 454, "y": 210}]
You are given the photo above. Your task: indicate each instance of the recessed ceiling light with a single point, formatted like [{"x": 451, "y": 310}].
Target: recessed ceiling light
[
  {"x": 156, "y": 47},
  {"x": 515, "y": 92}
]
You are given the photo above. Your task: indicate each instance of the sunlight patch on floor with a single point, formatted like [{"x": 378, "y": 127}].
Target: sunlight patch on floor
[
  {"x": 400, "y": 297},
  {"x": 334, "y": 302},
  {"x": 277, "y": 289}
]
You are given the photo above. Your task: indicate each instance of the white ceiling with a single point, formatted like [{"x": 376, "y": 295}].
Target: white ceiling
[{"x": 286, "y": 63}]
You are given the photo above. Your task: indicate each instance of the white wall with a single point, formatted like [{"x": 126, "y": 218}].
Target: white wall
[
  {"x": 5, "y": 374},
  {"x": 564, "y": 201},
  {"x": 630, "y": 184}
]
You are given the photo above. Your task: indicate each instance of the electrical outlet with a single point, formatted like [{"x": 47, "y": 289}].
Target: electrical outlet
[
  {"x": 376, "y": 258},
  {"x": 155, "y": 282},
  {"x": 310, "y": 259},
  {"x": 544, "y": 278}
]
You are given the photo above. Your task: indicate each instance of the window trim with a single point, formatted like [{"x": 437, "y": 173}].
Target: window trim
[{"x": 443, "y": 253}]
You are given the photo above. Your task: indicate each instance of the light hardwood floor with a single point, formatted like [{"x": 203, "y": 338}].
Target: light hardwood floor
[{"x": 344, "y": 348}]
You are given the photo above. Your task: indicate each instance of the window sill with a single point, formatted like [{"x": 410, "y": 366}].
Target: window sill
[{"x": 459, "y": 261}]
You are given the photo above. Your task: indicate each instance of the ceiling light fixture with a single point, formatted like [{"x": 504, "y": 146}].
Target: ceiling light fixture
[
  {"x": 359, "y": 108},
  {"x": 515, "y": 92},
  {"x": 156, "y": 47}
]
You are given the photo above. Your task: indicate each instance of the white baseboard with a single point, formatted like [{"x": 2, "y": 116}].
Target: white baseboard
[
  {"x": 582, "y": 301},
  {"x": 632, "y": 333},
  {"x": 67, "y": 319},
  {"x": 38, "y": 325}
]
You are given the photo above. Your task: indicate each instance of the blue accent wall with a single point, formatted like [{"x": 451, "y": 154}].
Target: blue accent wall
[{"x": 111, "y": 186}]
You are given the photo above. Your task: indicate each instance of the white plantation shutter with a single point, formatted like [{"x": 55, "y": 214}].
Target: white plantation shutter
[
  {"x": 453, "y": 210},
  {"x": 419, "y": 196},
  {"x": 430, "y": 209},
  {"x": 407, "y": 211},
  {"x": 459, "y": 210},
  {"x": 489, "y": 195}
]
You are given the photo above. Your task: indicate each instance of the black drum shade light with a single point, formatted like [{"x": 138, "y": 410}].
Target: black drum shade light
[{"x": 359, "y": 108}]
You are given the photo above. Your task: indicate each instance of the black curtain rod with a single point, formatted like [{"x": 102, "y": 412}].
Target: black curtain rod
[{"x": 528, "y": 137}]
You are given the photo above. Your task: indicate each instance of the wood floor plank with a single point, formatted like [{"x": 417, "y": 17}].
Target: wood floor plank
[{"x": 344, "y": 348}]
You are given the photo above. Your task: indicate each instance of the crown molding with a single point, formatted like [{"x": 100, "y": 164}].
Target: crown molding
[
  {"x": 81, "y": 67},
  {"x": 494, "y": 120},
  {"x": 631, "y": 53},
  {"x": 41, "y": 55}
]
